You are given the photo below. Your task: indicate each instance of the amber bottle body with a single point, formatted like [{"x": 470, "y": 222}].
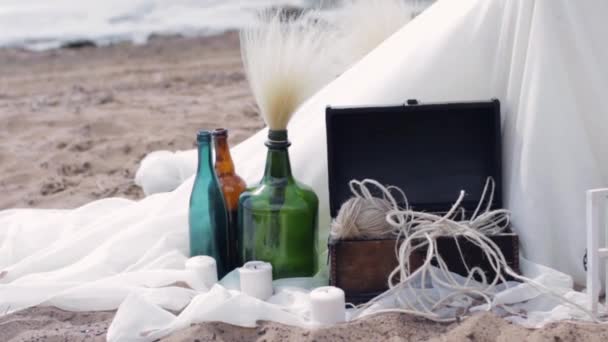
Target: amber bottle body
[{"x": 232, "y": 186}]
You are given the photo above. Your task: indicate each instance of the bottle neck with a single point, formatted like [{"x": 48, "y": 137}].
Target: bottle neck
[
  {"x": 223, "y": 159},
  {"x": 278, "y": 166},
  {"x": 204, "y": 157}
]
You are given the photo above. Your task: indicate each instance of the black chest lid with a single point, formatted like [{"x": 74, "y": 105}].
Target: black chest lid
[{"x": 430, "y": 151}]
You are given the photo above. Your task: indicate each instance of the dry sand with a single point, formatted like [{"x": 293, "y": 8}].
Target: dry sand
[
  {"x": 47, "y": 324},
  {"x": 75, "y": 123}
]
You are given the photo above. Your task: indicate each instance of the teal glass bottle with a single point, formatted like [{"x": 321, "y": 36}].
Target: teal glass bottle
[
  {"x": 207, "y": 216},
  {"x": 278, "y": 217}
]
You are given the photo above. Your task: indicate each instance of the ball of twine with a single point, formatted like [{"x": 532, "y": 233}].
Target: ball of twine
[{"x": 364, "y": 216}]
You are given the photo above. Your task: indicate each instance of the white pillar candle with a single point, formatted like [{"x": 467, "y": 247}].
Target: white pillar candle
[
  {"x": 327, "y": 305},
  {"x": 203, "y": 272},
  {"x": 256, "y": 279}
]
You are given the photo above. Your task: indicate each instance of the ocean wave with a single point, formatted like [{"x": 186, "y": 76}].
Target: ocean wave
[{"x": 44, "y": 24}]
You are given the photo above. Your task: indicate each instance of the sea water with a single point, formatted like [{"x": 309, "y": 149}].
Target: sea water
[{"x": 45, "y": 24}]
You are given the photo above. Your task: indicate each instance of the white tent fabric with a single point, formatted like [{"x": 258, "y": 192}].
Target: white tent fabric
[{"x": 546, "y": 60}]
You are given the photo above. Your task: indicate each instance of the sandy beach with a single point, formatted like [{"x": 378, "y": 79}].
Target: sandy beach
[
  {"x": 74, "y": 124},
  {"x": 53, "y": 325}
]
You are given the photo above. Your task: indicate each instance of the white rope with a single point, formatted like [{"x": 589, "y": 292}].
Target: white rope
[{"x": 416, "y": 231}]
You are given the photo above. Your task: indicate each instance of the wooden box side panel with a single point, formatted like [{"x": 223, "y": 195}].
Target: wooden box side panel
[{"x": 362, "y": 266}]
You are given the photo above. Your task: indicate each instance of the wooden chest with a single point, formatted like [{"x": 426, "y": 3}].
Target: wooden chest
[{"x": 431, "y": 152}]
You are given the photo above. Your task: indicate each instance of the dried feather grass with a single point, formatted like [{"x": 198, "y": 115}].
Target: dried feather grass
[
  {"x": 286, "y": 59},
  {"x": 365, "y": 24}
]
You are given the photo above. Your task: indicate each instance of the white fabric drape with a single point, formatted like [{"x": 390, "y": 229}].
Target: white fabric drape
[{"x": 546, "y": 60}]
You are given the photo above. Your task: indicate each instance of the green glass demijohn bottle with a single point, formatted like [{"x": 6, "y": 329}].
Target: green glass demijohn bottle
[
  {"x": 207, "y": 216},
  {"x": 278, "y": 217}
]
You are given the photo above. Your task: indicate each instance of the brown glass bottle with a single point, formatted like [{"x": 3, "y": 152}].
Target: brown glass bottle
[{"x": 232, "y": 186}]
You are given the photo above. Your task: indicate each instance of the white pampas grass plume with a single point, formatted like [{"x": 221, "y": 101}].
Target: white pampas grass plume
[
  {"x": 285, "y": 58},
  {"x": 365, "y": 24}
]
